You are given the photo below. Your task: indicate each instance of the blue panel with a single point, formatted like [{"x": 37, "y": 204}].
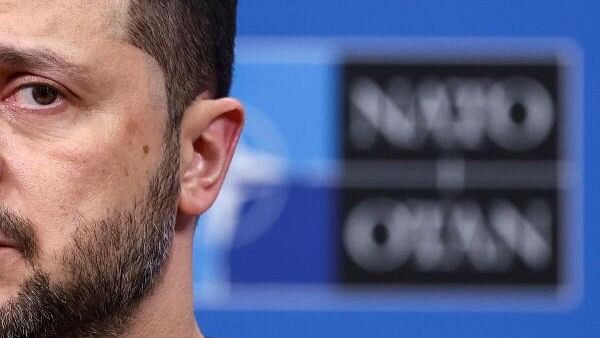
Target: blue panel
[
  {"x": 302, "y": 243},
  {"x": 409, "y": 18},
  {"x": 576, "y": 20},
  {"x": 299, "y": 97},
  {"x": 388, "y": 325}
]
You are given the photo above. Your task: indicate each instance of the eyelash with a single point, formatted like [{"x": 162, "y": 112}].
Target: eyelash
[{"x": 30, "y": 81}]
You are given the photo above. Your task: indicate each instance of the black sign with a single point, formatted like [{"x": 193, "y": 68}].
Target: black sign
[{"x": 452, "y": 173}]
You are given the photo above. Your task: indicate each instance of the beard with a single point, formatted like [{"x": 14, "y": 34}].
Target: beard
[{"x": 111, "y": 266}]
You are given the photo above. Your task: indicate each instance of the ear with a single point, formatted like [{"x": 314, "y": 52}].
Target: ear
[{"x": 210, "y": 130}]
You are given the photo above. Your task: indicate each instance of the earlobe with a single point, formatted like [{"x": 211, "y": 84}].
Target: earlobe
[{"x": 210, "y": 130}]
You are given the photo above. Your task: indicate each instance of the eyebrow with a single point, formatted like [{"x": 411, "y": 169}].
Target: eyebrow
[{"x": 40, "y": 59}]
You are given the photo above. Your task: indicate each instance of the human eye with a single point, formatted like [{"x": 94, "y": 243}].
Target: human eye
[{"x": 36, "y": 95}]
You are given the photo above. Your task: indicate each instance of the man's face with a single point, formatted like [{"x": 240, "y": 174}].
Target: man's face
[{"x": 84, "y": 187}]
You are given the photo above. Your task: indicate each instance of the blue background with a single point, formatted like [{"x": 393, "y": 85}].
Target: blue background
[{"x": 576, "y": 20}]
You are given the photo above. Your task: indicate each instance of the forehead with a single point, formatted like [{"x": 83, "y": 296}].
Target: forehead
[
  {"x": 88, "y": 38},
  {"x": 89, "y": 35},
  {"x": 75, "y": 22}
]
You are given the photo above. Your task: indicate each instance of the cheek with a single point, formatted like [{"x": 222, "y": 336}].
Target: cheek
[
  {"x": 103, "y": 176},
  {"x": 58, "y": 185}
]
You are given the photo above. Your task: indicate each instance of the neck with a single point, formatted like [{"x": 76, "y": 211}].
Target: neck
[{"x": 168, "y": 312}]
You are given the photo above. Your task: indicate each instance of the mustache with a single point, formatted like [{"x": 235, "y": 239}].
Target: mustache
[{"x": 19, "y": 230}]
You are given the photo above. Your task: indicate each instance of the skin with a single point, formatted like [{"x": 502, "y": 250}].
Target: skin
[{"x": 95, "y": 149}]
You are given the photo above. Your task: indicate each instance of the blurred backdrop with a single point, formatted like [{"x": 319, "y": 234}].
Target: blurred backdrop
[{"x": 408, "y": 168}]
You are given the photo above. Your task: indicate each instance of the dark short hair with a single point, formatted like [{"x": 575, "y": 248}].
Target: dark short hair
[{"x": 193, "y": 42}]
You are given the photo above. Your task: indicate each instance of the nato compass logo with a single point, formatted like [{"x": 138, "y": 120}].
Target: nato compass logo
[{"x": 249, "y": 204}]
